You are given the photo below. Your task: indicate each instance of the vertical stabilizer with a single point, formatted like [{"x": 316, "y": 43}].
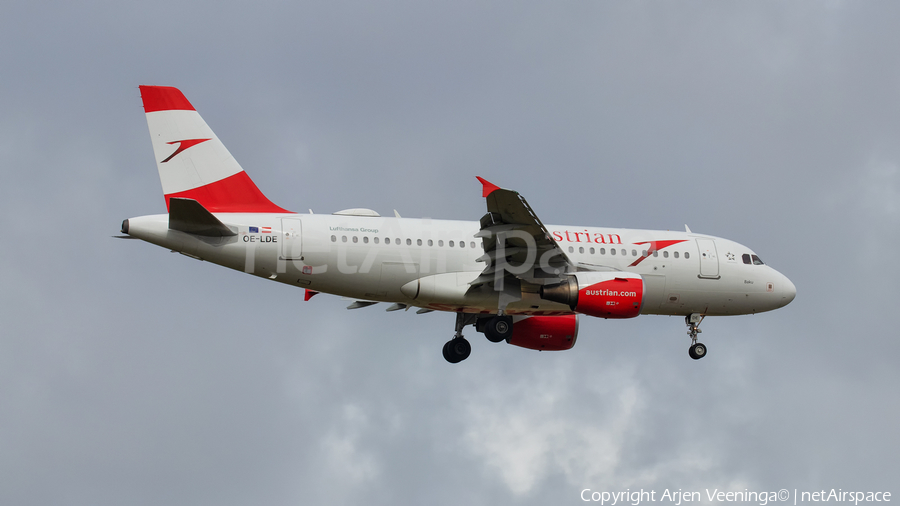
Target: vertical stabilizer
[{"x": 193, "y": 163}]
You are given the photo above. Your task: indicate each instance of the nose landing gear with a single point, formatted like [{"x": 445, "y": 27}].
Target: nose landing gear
[{"x": 697, "y": 350}]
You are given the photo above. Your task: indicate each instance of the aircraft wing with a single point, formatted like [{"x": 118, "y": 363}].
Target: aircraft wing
[{"x": 519, "y": 251}]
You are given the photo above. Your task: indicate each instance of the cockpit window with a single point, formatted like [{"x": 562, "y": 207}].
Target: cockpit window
[
  {"x": 746, "y": 258},
  {"x": 756, "y": 260}
]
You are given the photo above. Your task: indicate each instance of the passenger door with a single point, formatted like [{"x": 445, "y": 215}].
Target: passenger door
[
  {"x": 290, "y": 239},
  {"x": 709, "y": 261}
]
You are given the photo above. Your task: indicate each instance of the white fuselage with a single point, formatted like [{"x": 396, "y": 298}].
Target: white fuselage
[{"x": 377, "y": 258}]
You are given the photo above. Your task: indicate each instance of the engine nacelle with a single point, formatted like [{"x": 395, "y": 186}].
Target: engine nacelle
[
  {"x": 600, "y": 294},
  {"x": 545, "y": 333}
]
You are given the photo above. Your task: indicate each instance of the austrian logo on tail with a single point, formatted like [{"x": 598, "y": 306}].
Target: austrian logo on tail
[{"x": 182, "y": 145}]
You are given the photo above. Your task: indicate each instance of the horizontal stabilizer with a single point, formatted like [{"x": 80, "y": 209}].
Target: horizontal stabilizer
[{"x": 187, "y": 215}]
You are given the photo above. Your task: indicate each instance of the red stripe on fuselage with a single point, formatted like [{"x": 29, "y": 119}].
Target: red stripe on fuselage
[
  {"x": 654, "y": 246},
  {"x": 234, "y": 194},
  {"x": 164, "y": 98}
]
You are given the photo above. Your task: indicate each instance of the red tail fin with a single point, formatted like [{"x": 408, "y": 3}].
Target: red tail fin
[{"x": 193, "y": 163}]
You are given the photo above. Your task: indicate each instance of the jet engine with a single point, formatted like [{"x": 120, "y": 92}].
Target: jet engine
[
  {"x": 545, "y": 333},
  {"x": 600, "y": 294}
]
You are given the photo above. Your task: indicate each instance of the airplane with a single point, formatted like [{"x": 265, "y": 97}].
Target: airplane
[{"x": 508, "y": 274}]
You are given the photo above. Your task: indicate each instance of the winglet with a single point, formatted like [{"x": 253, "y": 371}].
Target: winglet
[
  {"x": 489, "y": 187},
  {"x": 308, "y": 294}
]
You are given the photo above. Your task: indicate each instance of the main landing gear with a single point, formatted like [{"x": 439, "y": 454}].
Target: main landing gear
[
  {"x": 458, "y": 349},
  {"x": 697, "y": 350},
  {"x": 496, "y": 329},
  {"x": 499, "y": 328}
]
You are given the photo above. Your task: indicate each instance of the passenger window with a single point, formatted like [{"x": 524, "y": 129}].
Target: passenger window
[
  {"x": 409, "y": 242},
  {"x": 571, "y": 249},
  {"x": 430, "y": 242},
  {"x": 687, "y": 255},
  {"x": 450, "y": 243},
  {"x": 624, "y": 252},
  {"x": 656, "y": 253},
  {"x": 355, "y": 239},
  {"x": 343, "y": 238},
  {"x": 634, "y": 253},
  {"x": 592, "y": 251},
  {"x": 644, "y": 253},
  {"x": 665, "y": 254},
  {"x": 756, "y": 260},
  {"x": 602, "y": 251},
  {"x": 581, "y": 249},
  {"x": 675, "y": 254},
  {"x": 375, "y": 239},
  {"x": 333, "y": 238},
  {"x": 746, "y": 258},
  {"x": 472, "y": 244},
  {"x": 462, "y": 244},
  {"x": 611, "y": 251},
  {"x": 441, "y": 243},
  {"x": 365, "y": 240},
  {"x": 418, "y": 242},
  {"x": 397, "y": 240},
  {"x": 387, "y": 240}
]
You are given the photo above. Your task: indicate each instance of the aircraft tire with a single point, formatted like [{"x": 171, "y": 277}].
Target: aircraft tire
[
  {"x": 697, "y": 351},
  {"x": 498, "y": 328},
  {"x": 456, "y": 350}
]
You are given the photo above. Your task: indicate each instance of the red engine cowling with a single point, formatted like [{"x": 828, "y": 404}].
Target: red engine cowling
[
  {"x": 600, "y": 294},
  {"x": 545, "y": 333}
]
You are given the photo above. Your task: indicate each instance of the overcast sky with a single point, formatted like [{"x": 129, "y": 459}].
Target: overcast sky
[{"x": 130, "y": 375}]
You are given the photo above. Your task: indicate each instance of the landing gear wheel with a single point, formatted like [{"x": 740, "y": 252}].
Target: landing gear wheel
[
  {"x": 498, "y": 328},
  {"x": 456, "y": 350},
  {"x": 697, "y": 351}
]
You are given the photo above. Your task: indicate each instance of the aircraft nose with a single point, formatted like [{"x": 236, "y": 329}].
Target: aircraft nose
[{"x": 788, "y": 291}]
